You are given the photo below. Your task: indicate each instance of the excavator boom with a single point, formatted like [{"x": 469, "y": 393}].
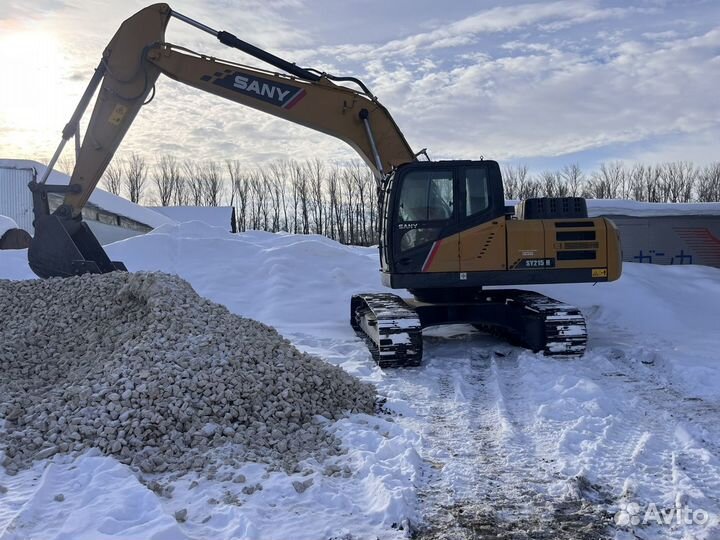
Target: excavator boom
[{"x": 132, "y": 62}]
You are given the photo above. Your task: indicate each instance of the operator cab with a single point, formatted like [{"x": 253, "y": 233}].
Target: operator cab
[{"x": 425, "y": 202}]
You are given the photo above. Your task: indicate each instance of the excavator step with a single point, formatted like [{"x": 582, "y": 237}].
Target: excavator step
[{"x": 390, "y": 327}]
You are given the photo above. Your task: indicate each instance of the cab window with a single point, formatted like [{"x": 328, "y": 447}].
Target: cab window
[
  {"x": 426, "y": 196},
  {"x": 477, "y": 199}
]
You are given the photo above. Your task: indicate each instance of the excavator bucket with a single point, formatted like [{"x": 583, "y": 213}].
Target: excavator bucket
[
  {"x": 67, "y": 247},
  {"x": 64, "y": 246}
]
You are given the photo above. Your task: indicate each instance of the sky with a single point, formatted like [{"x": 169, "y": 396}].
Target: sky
[{"x": 536, "y": 83}]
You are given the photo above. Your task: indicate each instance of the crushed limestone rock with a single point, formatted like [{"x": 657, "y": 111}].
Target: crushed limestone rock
[{"x": 144, "y": 369}]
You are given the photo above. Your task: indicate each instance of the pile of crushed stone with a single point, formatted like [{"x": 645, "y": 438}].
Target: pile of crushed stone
[{"x": 142, "y": 368}]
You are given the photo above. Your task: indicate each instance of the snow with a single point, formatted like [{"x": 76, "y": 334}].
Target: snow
[
  {"x": 102, "y": 199},
  {"x": 624, "y": 207},
  {"x": 483, "y": 433},
  {"x": 6, "y": 224},
  {"x": 215, "y": 216},
  {"x": 620, "y": 207}
]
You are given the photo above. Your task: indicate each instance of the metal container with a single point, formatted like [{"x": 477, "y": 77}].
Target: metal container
[
  {"x": 683, "y": 239},
  {"x": 15, "y": 197}
]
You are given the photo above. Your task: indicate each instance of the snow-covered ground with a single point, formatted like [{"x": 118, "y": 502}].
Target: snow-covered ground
[
  {"x": 215, "y": 216},
  {"x": 484, "y": 438}
]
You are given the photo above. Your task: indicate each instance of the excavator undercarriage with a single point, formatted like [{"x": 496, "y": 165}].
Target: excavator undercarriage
[{"x": 392, "y": 326}]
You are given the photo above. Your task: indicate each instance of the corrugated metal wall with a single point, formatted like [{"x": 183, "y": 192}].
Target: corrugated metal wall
[
  {"x": 15, "y": 197},
  {"x": 670, "y": 239},
  {"x": 16, "y": 203}
]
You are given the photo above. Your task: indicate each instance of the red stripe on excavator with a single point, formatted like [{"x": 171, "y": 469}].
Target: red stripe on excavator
[
  {"x": 295, "y": 99},
  {"x": 429, "y": 259}
]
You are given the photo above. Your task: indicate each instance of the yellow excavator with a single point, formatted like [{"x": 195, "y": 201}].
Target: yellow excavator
[{"x": 446, "y": 234}]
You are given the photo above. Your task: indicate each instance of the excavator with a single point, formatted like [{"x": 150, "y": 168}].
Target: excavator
[{"x": 446, "y": 234}]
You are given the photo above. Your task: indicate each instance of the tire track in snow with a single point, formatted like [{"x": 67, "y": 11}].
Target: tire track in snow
[
  {"x": 522, "y": 446},
  {"x": 628, "y": 432},
  {"x": 676, "y": 456},
  {"x": 487, "y": 478}
]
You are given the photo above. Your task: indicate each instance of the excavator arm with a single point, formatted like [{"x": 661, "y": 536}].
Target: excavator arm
[{"x": 133, "y": 60}]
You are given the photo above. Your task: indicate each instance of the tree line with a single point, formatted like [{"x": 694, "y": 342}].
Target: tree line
[
  {"x": 308, "y": 197},
  {"x": 340, "y": 201},
  {"x": 676, "y": 182}
]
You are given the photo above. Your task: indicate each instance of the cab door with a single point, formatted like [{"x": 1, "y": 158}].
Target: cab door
[
  {"x": 481, "y": 218},
  {"x": 425, "y": 220}
]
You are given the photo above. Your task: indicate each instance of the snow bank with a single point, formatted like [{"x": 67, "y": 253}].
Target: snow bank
[
  {"x": 215, "y": 216},
  {"x": 674, "y": 309},
  {"x": 294, "y": 282},
  {"x": 6, "y": 224}
]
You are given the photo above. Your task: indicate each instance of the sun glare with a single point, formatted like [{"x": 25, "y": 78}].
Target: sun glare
[{"x": 35, "y": 97}]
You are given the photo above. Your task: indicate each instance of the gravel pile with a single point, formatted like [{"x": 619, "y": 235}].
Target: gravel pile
[{"x": 142, "y": 368}]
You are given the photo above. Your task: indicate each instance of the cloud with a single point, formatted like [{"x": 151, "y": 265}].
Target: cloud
[
  {"x": 21, "y": 11},
  {"x": 565, "y": 94},
  {"x": 522, "y": 81}
]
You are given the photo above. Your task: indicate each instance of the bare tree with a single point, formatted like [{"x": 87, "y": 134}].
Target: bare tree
[
  {"x": 259, "y": 193},
  {"x": 165, "y": 178},
  {"x": 708, "y": 183},
  {"x": 644, "y": 183},
  {"x": 350, "y": 206},
  {"x": 301, "y": 198},
  {"x": 334, "y": 189},
  {"x": 180, "y": 191},
  {"x": 66, "y": 164},
  {"x": 574, "y": 179},
  {"x": 677, "y": 181},
  {"x": 610, "y": 182},
  {"x": 510, "y": 181},
  {"x": 552, "y": 185},
  {"x": 136, "y": 172},
  {"x": 212, "y": 184},
  {"x": 194, "y": 182},
  {"x": 527, "y": 187},
  {"x": 113, "y": 177},
  {"x": 315, "y": 171},
  {"x": 279, "y": 172}
]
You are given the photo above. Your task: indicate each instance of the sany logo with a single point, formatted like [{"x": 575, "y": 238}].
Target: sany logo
[
  {"x": 244, "y": 83},
  {"x": 280, "y": 94}
]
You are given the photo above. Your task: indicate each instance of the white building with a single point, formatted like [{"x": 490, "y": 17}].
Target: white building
[{"x": 111, "y": 218}]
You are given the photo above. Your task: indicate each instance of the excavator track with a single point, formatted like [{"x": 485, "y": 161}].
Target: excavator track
[
  {"x": 564, "y": 329},
  {"x": 390, "y": 327}
]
